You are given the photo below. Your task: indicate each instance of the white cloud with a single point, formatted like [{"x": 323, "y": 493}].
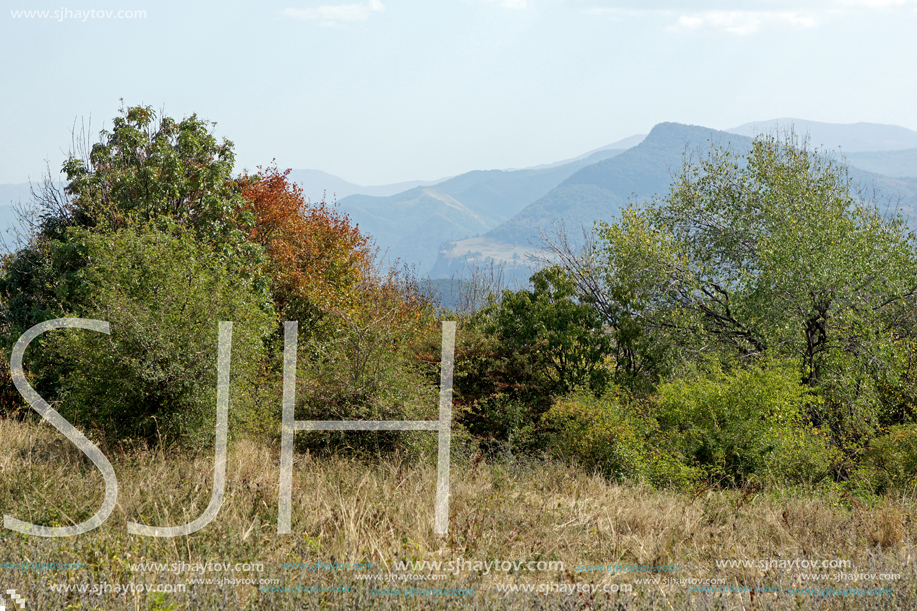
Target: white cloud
[
  {"x": 333, "y": 14},
  {"x": 743, "y": 22},
  {"x": 739, "y": 17}
]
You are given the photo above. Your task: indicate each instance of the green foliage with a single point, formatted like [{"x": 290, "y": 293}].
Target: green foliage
[
  {"x": 771, "y": 254},
  {"x": 498, "y": 394},
  {"x": 359, "y": 364},
  {"x": 890, "y": 463},
  {"x": 518, "y": 353},
  {"x": 726, "y": 427},
  {"x": 599, "y": 433},
  {"x": 144, "y": 171},
  {"x": 566, "y": 334},
  {"x": 744, "y": 424},
  {"x": 616, "y": 435},
  {"x": 39, "y": 282},
  {"x": 164, "y": 173},
  {"x": 154, "y": 376},
  {"x": 172, "y": 175}
]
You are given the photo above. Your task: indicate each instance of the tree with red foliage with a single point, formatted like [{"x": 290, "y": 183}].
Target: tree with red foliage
[
  {"x": 357, "y": 319},
  {"x": 317, "y": 259}
]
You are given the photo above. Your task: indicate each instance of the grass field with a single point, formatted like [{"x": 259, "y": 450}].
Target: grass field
[{"x": 378, "y": 513}]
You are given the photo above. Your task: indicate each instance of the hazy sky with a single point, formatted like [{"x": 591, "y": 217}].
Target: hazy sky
[{"x": 381, "y": 91}]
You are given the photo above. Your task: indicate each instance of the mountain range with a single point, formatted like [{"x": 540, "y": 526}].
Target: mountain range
[
  {"x": 600, "y": 190},
  {"x": 496, "y": 216}
]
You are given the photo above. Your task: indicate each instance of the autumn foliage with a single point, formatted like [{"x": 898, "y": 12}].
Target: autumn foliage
[
  {"x": 356, "y": 317},
  {"x": 317, "y": 259}
]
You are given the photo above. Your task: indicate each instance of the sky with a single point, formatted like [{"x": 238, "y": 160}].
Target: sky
[{"x": 383, "y": 91}]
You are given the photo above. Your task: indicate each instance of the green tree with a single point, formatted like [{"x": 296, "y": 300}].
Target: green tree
[
  {"x": 172, "y": 175},
  {"x": 567, "y": 335},
  {"x": 150, "y": 177},
  {"x": 526, "y": 349},
  {"x": 147, "y": 170},
  {"x": 775, "y": 253},
  {"x": 154, "y": 376}
]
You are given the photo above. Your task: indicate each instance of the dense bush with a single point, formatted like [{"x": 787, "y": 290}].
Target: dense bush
[
  {"x": 520, "y": 352},
  {"x": 890, "y": 463},
  {"x": 360, "y": 363},
  {"x": 499, "y": 394},
  {"x": 616, "y": 436},
  {"x": 144, "y": 176},
  {"x": 565, "y": 333},
  {"x": 356, "y": 321},
  {"x": 598, "y": 433},
  {"x": 745, "y": 424},
  {"x": 154, "y": 376}
]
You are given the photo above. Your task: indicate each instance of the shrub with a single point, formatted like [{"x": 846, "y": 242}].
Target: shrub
[
  {"x": 564, "y": 334},
  {"x": 519, "y": 353},
  {"x": 155, "y": 375},
  {"x": 615, "y": 436},
  {"x": 599, "y": 433},
  {"x": 745, "y": 424},
  {"x": 499, "y": 393},
  {"x": 890, "y": 463},
  {"x": 357, "y": 363}
]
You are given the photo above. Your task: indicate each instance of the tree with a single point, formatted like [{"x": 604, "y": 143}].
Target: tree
[
  {"x": 154, "y": 376},
  {"x": 638, "y": 351},
  {"x": 521, "y": 352},
  {"x": 316, "y": 259},
  {"x": 146, "y": 170},
  {"x": 143, "y": 178},
  {"x": 168, "y": 174},
  {"x": 356, "y": 320},
  {"x": 775, "y": 253},
  {"x": 566, "y": 333}
]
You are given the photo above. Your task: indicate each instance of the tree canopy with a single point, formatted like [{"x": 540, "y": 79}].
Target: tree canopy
[{"x": 775, "y": 254}]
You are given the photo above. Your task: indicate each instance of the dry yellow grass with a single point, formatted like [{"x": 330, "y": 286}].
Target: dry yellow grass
[{"x": 381, "y": 511}]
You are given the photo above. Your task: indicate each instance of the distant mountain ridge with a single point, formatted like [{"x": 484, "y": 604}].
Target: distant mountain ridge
[
  {"x": 412, "y": 225},
  {"x": 495, "y": 215},
  {"x": 623, "y": 144},
  {"x": 319, "y": 186},
  {"x": 600, "y": 190},
  {"x": 888, "y": 163},
  {"x": 849, "y": 137}
]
